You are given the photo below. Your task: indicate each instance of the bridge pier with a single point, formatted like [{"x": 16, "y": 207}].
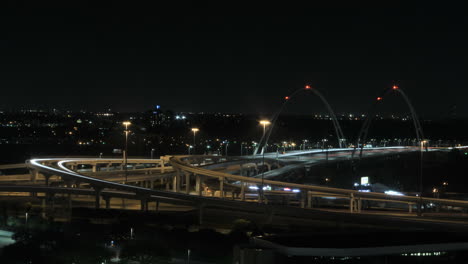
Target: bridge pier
[
  {"x": 176, "y": 181},
  {"x": 242, "y": 192},
  {"x": 351, "y": 204},
  {"x": 97, "y": 202},
  {"x": 47, "y": 178},
  {"x": 304, "y": 195},
  {"x": 34, "y": 175},
  {"x": 198, "y": 184},
  {"x": 187, "y": 183},
  {"x": 355, "y": 204},
  {"x": 144, "y": 204},
  {"x": 221, "y": 187},
  {"x": 107, "y": 199}
]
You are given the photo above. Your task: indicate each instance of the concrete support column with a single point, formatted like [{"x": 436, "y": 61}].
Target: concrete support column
[
  {"x": 309, "y": 200},
  {"x": 199, "y": 184},
  {"x": 410, "y": 208},
  {"x": 359, "y": 205},
  {"x": 163, "y": 169},
  {"x": 221, "y": 187},
  {"x": 144, "y": 204},
  {"x": 98, "y": 191},
  {"x": 176, "y": 182},
  {"x": 47, "y": 178},
  {"x": 304, "y": 194},
  {"x": 107, "y": 199},
  {"x": 242, "y": 192},
  {"x": 94, "y": 168},
  {"x": 351, "y": 204},
  {"x": 152, "y": 184},
  {"x": 187, "y": 183},
  {"x": 34, "y": 175}
]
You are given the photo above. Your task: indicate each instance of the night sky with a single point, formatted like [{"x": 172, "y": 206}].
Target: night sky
[{"x": 190, "y": 57}]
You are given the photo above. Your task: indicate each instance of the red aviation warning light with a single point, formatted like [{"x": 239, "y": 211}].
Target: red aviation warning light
[
  {"x": 286, "y": 98},
  {"x": 395, "y": 87},
  {"x": 307, "y": 87},
  {"x": 379, "y": 98}
]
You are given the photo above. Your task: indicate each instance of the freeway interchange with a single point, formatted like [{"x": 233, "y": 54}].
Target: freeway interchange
[{"x": 205, "y": 183}]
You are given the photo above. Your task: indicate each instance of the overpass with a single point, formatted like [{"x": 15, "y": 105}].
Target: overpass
[{"x": 205, "y": 181}]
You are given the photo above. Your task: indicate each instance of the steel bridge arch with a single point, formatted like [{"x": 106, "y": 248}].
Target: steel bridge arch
[
  {"x": 266, "y": 136},
  {"x": 362, "y": 137}
]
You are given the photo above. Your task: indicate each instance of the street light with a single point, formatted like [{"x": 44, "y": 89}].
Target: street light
[
  {"x": 422, "y": 145},
  {"x": 126, "y": 124},
  {"x": 264, "y": 123},
  {"x": 226, "y": 143},
  {"x": 194, "y": 130},
  {"x": 189, "y": 147}
]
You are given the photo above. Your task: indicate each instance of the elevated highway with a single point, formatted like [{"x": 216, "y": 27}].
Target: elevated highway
[{"x": 186, "y": 183}]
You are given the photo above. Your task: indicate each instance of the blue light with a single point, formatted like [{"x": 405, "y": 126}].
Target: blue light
[{"x": 158, "y": 106}]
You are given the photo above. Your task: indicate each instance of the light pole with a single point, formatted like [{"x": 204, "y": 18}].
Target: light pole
[
  {"x": 326, "y": 149},
  {"x": 264, "y": 123},
  {"x": 194, "y": 130},
  {"x": 126, "y": 124},
  {"x": 226, "y": 143},
  {"x": 189, "y": 147},
  {"x": 422, "y": 145},
  {"x": 152, "y": 151}
]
